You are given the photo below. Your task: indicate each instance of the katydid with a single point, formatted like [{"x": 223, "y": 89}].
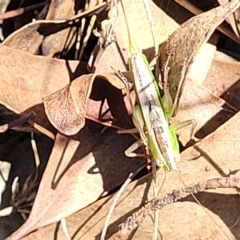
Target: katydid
[{"x": 148, "y": 116}]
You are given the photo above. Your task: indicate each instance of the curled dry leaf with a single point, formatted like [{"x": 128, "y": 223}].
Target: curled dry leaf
[
  {"x": 66, "y": 109},
  {"x": 177, "y": 53},
  {"x": 26, "y": 79}
]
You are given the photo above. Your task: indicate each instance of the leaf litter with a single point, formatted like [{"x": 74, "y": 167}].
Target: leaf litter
[
  {"x": 73, "y": 159},
  {"x": 188, "y": 212}
]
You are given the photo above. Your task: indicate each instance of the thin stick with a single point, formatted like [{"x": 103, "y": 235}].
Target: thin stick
[
  {"x": 115, "y": 200},
  {"x": 139, "y": 216},
  {"x": 20, "y": 11},
  {"x": 65, "y": 228},
  {"x": 44, "y": 131},
  {"x": 35, "y": 151},
  {"x": 17, "y": 122},
  {"x": 150, "y": 21},
  {"x": 156, "y": 49}
]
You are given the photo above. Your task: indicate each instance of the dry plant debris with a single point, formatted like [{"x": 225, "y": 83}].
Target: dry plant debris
[{"x": 56, "y": 76}]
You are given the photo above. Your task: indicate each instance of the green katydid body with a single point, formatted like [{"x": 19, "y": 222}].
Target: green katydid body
[
  {"x": 161, "y": 138},
  {"x": 148, "y": 116}
]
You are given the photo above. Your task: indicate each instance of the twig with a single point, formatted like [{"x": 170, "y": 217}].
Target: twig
[
  {"x": 20, "y": 11},
  {"x": 17, "y": 122},
  {"x": 35, "y": 151},
  {"x": 138, "y": 217},
  {"x": 115, "y": 200},
  {"x": 65, "y": 228},
  {"x": 44, "y": 131}
]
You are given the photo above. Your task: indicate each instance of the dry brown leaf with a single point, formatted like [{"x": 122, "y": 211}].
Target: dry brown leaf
[
  {"x": 66, "y": 109},
  {"x": 30, "y": 37},
  {"x": 19, "y": 73},
  {"x": 26, "y": 79},
  {"x": 223, "y": 80},
  {"x": 181, "y": 47},
  {"x": 55, "y": 11},
  {"x": 215, "y": 156},
  {"x": 202, "y": 63},
  {"x": 75, "y": 177},
  {"x": 54, "y": 44},
  {"x": 108, "y": 103}
]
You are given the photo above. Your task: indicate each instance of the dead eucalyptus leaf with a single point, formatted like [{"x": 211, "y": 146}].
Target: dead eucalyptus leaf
[
  {"x": 55, "y": 43},
  {"x": 177, "y": 53},
  {"x": 198, "y": 70},
  {"x": 57, "y": 180},
  {"x": 26, "y": 79},
  {"x": 29, "y": 37},
  {"x": 220, "y": 204},
  {"x": 223, "y": 80},
  {"x": 76, "y": 177},
  {"x": 66, "y": 109},
  {"x": 55, "y": 11},
  {"x": 23, "y": 92}
]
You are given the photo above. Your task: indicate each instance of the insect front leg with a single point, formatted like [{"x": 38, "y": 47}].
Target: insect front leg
[
  {"x": 129, "y": 152},
  {"x": 127, "y": 131},
  {"x": 139, "y": 123}
]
